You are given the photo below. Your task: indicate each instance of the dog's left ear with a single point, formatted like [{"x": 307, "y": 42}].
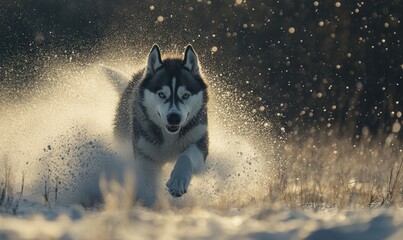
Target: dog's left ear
[{"x": 191, "y": 61}]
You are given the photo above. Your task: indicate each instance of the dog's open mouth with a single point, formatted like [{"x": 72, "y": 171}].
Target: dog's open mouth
[{"x": 173, "y": 128}]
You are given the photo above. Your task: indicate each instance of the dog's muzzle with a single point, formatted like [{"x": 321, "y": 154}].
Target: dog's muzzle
[{"x": 174, "y": 120}]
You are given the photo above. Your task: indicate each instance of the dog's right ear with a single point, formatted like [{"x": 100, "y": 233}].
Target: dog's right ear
[{"x": 154, "y": 60}]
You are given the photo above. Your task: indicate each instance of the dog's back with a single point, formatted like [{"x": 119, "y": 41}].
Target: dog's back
[{"x": 124, "y": 113}]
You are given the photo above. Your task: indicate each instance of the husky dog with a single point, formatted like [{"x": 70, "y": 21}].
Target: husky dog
[{"x": 163, "y": 111}]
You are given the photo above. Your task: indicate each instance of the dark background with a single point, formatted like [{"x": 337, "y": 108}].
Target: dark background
[{"x": 340, "y": 70}]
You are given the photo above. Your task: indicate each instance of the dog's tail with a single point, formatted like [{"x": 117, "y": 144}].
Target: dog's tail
[{"x": 118, "y": 79}]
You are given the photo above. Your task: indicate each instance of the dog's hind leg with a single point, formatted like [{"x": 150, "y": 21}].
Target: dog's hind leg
[{"x": 147, "y": 180}]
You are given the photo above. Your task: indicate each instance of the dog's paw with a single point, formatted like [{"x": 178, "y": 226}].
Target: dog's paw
[
  {"x": 180, "y": 177},
  {"x": 178, "y": 185}
]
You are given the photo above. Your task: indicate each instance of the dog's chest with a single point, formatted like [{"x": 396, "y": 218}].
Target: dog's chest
[{"x": 168, "y": 150}]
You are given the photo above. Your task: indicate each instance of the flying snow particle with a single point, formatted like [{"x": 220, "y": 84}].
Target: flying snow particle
[
  {"x": 291, "y": 30},
  {"x": 359, "y": 85},
  {"x": 152, "y": 7},
  {"x": 338, "y": 66},
  {"x": 321, "y": 24},
  {"x": 39, "y": 38},
  {"x": 337, "y": 4},
  {"x": 396, "y": 127},
  {"x": 316, "y": 3},
  {"x": 214, "y": 49},
  {"x": 238, "y": 2},
  {"x": 261, "y": 108},
  {"x": 160, "y": 18}
]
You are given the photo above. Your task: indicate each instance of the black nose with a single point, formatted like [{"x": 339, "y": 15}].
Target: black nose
[{"x": 174, "y": 118}]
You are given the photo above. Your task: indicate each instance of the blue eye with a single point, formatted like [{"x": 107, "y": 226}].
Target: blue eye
[
  {"x": 185, "y": 96},
  {"x": 162, "y": 95}
]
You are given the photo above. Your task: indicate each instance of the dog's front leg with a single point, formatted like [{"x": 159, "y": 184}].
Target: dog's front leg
[
  {"x": 147, "y": 177},
  {"x": 191, "y": 161}
]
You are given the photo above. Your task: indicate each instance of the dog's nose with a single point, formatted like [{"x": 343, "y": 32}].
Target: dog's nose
[{"x": 174, "y": 118}]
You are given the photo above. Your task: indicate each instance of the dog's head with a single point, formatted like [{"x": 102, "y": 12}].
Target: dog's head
[{"x": 173, "y": 90}]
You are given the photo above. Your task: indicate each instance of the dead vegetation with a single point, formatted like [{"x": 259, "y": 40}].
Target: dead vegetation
[
  {"x": 9, "y": 200},
  {"x": 323, "y": 171},
  {"x": 319, "y": 171}
]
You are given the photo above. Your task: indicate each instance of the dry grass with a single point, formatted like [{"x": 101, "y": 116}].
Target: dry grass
[
  {"x": 9, "y": 200},
  {"x": 324, "y": 171},
  {"x": 318, "y": 171},
  {"x": 118, "y": 196}
]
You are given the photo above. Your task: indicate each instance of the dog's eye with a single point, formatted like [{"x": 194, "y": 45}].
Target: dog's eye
[
  {"x": 162, "y": 95},
  {"x": 185, "y": 96}
]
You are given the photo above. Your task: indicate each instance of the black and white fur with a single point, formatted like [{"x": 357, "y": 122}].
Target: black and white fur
[{"x": 163, "y": 111}]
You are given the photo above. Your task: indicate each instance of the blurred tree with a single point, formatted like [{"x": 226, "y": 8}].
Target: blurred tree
[{"x": 317, "y": 65}]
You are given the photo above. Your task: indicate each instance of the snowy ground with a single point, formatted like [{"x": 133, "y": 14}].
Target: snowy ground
[
  {"x": 60, "y": 141},
  {"x": 202, "y": 223}
]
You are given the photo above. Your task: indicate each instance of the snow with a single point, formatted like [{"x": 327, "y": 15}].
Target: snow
[
  {"x": 202, "y": 223},
  {"x": 61, "y": 142}
]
